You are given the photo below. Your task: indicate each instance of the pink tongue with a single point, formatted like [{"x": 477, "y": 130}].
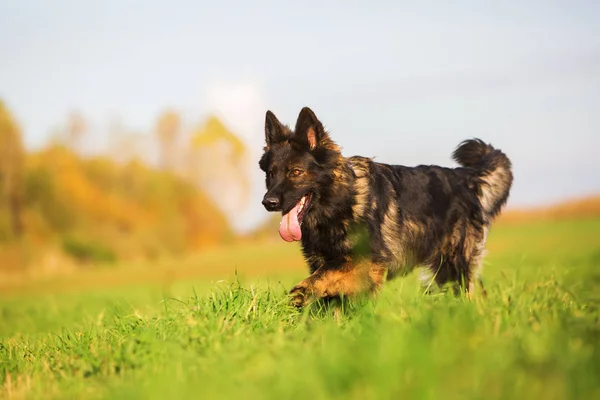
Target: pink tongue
[{"x": 289, "y": 230}]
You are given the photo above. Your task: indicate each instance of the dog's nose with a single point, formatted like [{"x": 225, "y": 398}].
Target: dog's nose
[{"x": 271, "y": 203}]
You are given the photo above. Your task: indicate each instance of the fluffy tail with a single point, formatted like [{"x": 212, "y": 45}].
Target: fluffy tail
[{"x": 494, "y": 172}]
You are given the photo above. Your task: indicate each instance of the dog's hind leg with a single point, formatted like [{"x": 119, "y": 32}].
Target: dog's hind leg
[
  {"x": 458, "y": 262},
  {"x": 462, "y": 277},
  {"x": 450, "y": 272},
  {"x": 475, "y": 260},
  {"x": 473, "y": 280}
]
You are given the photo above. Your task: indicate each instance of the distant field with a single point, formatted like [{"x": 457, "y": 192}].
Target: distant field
[{"x": 187, "y": 328}]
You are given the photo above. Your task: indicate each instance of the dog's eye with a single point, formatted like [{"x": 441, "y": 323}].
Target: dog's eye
[
  {"x": 271, "y": 174},
  {"x": 297, "y": 172}
]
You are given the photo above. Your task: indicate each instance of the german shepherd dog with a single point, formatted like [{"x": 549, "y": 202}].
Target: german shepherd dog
[{"x": 425, "y": 216}]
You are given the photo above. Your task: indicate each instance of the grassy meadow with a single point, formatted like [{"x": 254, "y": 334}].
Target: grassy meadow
[{"x": 216, "y": 325}]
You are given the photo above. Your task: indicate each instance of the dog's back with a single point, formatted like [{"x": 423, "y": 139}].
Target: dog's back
[{"x": 433, "y": 216}]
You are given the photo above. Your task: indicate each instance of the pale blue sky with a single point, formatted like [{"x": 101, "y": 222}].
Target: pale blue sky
[{"x": 403, "y": 81}]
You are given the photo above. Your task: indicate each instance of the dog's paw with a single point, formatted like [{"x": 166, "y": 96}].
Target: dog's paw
[{"x": 300, "y": 295}]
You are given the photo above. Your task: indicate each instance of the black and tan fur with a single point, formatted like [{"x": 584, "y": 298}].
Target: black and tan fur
[{"x": 425, "y": 216}]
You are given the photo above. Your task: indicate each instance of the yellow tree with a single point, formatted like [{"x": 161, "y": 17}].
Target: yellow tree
[
  {"x": 12, "y": 159},
  {"x": 167, "y": 130},
  {"x": 218, "y": 164}
]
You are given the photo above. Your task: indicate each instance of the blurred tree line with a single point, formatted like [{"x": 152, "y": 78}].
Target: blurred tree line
[{"x": 100, "y": 208}]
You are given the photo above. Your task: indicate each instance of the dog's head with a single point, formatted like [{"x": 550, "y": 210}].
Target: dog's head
[{"x": 299, "y": 167}]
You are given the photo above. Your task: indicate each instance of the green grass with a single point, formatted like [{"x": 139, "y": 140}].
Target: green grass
[{"x": 536, "y": 336}]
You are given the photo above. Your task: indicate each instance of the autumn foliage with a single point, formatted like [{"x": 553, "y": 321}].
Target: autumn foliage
[
  {"x": 98, "y": 208},
  {"x": 98, "y": 200}
]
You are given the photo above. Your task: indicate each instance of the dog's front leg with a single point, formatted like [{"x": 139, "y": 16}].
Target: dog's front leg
[{"x": 346, "y": 280}]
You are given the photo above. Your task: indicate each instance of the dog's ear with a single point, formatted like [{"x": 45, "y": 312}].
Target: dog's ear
[
  {"x": 274, "y": 130},
  {"x": 309, "y": 130}
]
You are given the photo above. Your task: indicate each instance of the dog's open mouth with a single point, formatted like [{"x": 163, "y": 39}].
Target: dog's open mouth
[{"x": 289, "y": 229}]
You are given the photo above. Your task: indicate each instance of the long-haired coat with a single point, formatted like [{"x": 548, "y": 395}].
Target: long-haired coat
[{"x": 426, "y": 216}]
